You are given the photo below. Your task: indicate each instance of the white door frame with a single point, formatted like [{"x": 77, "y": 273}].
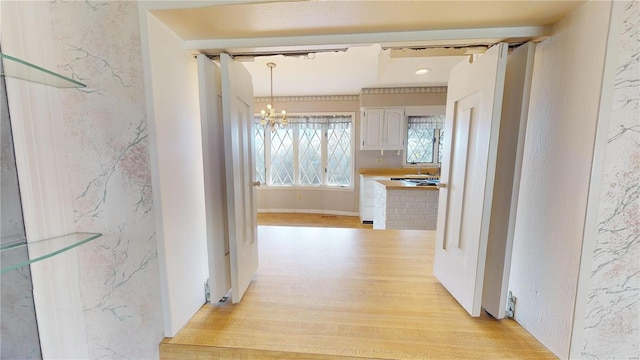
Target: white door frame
[{"x": 451, "y": 36}]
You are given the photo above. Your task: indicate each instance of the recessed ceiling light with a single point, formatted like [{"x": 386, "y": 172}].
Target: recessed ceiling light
[{"x": 422, "y": 71}]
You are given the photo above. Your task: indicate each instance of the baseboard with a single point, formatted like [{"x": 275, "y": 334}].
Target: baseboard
[{"x": 309, "y": 211}]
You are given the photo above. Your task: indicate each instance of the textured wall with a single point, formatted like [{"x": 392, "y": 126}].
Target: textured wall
[
  {"x": 556, "y": 171},
  {"x": 612, "y": 321},
  {"x": 107, "y": 150}
]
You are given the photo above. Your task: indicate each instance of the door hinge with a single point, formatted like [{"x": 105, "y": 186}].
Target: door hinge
[
  {"x": 207, "y": 291},
  {"x": 511, "y": 306}
]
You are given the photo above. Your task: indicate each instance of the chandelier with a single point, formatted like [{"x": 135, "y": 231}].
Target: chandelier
[{"x": 269, "y": 117}]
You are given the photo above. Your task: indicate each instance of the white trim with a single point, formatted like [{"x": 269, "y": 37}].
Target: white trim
[
  {"x": 144, "y": 14},
  {"x": 178, "y": 208},
  {"x": 306, "y": 187},
  {"x": 309, "y": 211},
  {"x": 295, "y": 145},
  {"x": 517, "y": 172},
  {"x": 450, "y": 36}
]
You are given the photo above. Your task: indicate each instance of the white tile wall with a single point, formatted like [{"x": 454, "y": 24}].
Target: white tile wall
[
  {"x": 380, "y": 205},
  {"x": 405, "y": 209}
]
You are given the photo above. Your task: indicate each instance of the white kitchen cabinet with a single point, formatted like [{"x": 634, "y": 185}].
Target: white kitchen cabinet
[
  {"x": 382, "y": 129},
  {"x": 367, "y": 196}
]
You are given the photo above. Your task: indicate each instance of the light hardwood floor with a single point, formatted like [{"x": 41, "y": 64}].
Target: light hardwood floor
[
  {"x": 329, "y": 293},
  {"x": 312, "y": 220}
]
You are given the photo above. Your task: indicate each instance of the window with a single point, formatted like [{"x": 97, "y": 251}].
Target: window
[
  {"x": 312, "y": 150},
  {"x": 424, "y": 139}
]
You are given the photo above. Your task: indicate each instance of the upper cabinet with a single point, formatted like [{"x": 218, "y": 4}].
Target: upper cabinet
[{"x": 382, "y": 129}]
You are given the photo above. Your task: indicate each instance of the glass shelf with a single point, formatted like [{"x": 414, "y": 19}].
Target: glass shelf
[
  {"x": 15, "y": 256},
  {"x": 20, "y": 69},
  {"x": 12, "y": 240}
]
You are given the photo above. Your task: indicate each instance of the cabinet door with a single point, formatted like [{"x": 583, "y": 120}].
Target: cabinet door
[
  {"x": 366, "y": 199},
  {"x": 371, "y": 129},
  {"x": 394, "y": 129}
]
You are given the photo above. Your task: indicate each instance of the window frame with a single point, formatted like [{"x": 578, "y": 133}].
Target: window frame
[
  {"x": 422, "y": 111},
  {"x": 296, "y": 155}
]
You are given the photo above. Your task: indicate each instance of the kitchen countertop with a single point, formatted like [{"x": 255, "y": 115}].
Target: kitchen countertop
[
  {"x": 403, "y": 185},
  {"x": 400, "y": 172}
]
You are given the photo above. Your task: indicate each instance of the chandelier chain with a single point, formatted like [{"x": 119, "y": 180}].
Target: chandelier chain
[
  {"x": 271, "y": 82},
  {"x": 269, "y": 118}
]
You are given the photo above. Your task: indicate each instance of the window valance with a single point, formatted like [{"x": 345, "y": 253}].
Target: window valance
[
  {"x": 320, "y": 122},
  {"x": 426, "y": 122}
]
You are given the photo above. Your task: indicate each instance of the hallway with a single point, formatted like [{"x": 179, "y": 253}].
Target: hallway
[{"x": 328, "y": 293}]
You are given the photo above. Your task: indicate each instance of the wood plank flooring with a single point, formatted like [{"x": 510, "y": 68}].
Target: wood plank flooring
[
  {"x": 330, "y": 293},
  {"x": 312, "y": 220}
]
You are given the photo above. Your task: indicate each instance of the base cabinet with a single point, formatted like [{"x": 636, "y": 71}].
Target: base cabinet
[{"x": 367, "y": 196}]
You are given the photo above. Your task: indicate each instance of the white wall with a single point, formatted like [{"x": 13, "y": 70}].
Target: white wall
[
  {"x": 555, "y": 176},
  {"x": 308, "y": 200},
  {"x": 177, "y": 173}
]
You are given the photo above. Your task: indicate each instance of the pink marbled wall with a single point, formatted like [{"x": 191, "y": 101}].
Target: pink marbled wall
[
  {"x": 108, "y": 154},
  {"x": 612, "y": 321}
]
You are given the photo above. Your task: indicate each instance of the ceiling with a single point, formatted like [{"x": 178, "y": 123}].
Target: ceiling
[
  {"x": 344, "y": 73},
  {"x": 351, "y": 42}
]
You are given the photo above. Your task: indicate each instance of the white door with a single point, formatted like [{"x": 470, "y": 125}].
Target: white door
[
  {"x": 213, "y": 165},
  {"x": 513, "y": 123},
  {"x": 237, "y": 113},
  {"x": 474, "y": 100}
]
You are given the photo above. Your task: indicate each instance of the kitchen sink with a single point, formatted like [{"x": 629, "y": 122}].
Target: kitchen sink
[
  {"x": 419, "y": 176},
  {"x": 423, "y": 182}
]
